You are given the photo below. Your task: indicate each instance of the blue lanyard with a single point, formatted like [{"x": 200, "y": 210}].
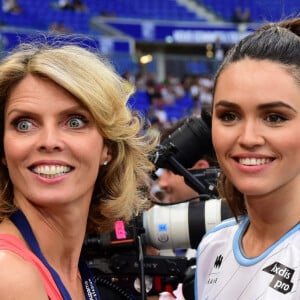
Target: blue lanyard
[{"x": 90, "y": 289}]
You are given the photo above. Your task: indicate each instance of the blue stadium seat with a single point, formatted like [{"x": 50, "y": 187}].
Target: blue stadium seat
[
  {"x": 40, "y": 14},
  {"x": 263, "y": 10}
]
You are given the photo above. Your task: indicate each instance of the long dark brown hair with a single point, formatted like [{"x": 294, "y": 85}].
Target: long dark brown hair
[{"x": 276, "y": 42}]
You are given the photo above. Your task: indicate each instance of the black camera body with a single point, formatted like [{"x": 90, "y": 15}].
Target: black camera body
[
  {"x": 119, "y": 260},
  {"x": 116, "y": 262}
]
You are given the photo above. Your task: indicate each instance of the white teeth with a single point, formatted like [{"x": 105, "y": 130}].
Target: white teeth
[
  {"x": 254, "y": 161},
  {"x": 51, "y": 171}
]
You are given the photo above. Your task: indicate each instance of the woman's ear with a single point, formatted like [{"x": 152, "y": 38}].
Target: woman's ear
[
  {"x": 107, "y": 156},
  {"x": 108, "y": 159},
  {"x": 201, "y": 164}
]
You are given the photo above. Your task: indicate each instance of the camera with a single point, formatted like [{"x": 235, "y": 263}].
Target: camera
[
  {"x": 180, "y": 150},
  {"x": 120, "y": 260},
  {"x": 181, "y": 226},
  {"x": 116, "y": 261}
]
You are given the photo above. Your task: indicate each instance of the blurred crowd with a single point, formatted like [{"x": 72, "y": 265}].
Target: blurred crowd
[{"x": 173, "y": 99}]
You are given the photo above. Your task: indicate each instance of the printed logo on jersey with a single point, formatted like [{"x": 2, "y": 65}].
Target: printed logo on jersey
[
  {"x": 281, "y": 281},
  {"x": 218, "y": 261},
  {"x": 213, "y": 276}
]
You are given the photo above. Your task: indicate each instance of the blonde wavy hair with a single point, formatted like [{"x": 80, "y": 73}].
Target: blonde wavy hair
[{"x": 119, "y": 191}]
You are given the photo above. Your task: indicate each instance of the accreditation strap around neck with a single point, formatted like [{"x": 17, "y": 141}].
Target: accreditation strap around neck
[{"x": 90, "y": 289}]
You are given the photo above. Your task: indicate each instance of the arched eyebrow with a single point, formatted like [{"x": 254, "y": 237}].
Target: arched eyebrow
[
  {"x": 264, "y": 106},
  {"x": 26, "y": 111},
  {"x": 226, "y": 104},
  {"x": 275, "y": 105}
]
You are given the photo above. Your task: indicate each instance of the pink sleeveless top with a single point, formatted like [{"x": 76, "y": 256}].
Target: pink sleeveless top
[{"x": 12, "y": 243}]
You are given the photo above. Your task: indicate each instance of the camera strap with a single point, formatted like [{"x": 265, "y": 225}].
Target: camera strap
[{"x": 90, "y": 289}]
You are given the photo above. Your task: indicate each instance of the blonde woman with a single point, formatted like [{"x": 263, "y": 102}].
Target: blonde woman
[{"x": 73, "y": 159}]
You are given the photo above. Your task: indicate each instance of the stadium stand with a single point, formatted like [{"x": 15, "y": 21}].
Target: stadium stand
[
  {"x": 41, "y": 14},
  {"x": 270, "y": 10},
  {"x": 47, "y": 16}
]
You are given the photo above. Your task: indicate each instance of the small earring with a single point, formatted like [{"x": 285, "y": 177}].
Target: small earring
[{"x": 105, "y": 163}]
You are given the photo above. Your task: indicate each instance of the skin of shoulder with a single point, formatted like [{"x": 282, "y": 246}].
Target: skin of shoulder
[{"x": 19, "y": 279}]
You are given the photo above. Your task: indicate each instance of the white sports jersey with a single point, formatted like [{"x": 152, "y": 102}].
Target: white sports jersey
[{"x": 225, "y": 273}]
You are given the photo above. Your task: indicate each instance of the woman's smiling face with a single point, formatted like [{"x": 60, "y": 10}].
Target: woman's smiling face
[
  {"x": 256, "y": 125},
  {"x": 52, "y": 147}
]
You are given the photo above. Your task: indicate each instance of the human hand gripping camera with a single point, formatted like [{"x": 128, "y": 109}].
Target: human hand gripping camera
[{"x": 115, "y": 257}]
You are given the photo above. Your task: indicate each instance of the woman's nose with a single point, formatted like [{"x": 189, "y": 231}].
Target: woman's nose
[
  {"x": 50, "y": 139},
  {"x": 251, "y": 135}
]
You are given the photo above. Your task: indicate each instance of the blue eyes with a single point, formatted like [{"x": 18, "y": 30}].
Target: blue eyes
[
  {"x": 76, "y": 122},
  {"x": 73, "y": 122},
  {"x": 23, "y": 125}
]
